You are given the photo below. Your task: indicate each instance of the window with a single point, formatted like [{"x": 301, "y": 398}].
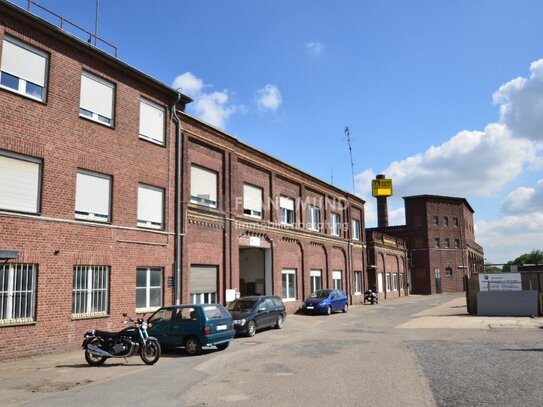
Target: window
[
  {"x": 334, "y": 226},
  {"x": 447, "y": 244},
  {"x": 455, "y": 222},
  {"x": 387, "y": 281},
  {"x": 445, "y": 221},
  {"x": 356, "y": 229},
  {"x": 457, "y": 243},
  {"x": 96, "y": 101},
  {"x": 19, "y": 182},
  {"x": 394, "y": 282},
  {"x": 448, "y": 272},
  {"x": 90, "y": 291},
  {"x": 150, "y": 206},
  {"x": 17, "y": 293},
  {"x": 286, "y": 206},
  {"x": 148, "y": 288},
  {"x": 437, "y": 243},
  {"x": 203, "y": 284},
  {"x": 313, "y": 218},
  {"x": 203, "y": 186},
  {"x": 336, "y": 280},
  {"x": 435, "y": 221},
  {"x": 401, "y": 282},
  {"x": 288, "y": 279},
  {"x": 23, "y": 69},
  {"x": 357, "y": 282},
  {"x": 92, "y": 196},
  {"x": 151, "y": 121},
  {"x": 252, "y": 201},
  {"x": 316, "y": 280}
]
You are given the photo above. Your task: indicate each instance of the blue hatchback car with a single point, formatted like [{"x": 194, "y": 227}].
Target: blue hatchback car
[
  {"x": 192, "y": 326},
  {"x": 326, "y": 302}
]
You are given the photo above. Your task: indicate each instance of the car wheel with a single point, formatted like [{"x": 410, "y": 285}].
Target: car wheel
[
  {"x": 279, "y": 323},
  {"x": 193, "y": 346},
  {"x": 223, "y": 346},
  {"x": 329, "y": 310},
  {"x": 345, "y": 307},
  {"x": 251, "y": 328}
]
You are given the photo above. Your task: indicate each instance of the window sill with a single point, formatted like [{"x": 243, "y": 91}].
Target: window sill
[
  {"x": 146, "y": 310},
  {"x": 14, "y": 322},
  {"x": 152, "y": 141},
  {"x": 289, "y": 299},
  {"x": 78, "y": 317}
]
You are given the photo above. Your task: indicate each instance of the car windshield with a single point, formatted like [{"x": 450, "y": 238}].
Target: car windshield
[
  {"x": 215, "y": 312},
  {"x": 241, "y": 305},
  {"x": 320, "y": 294}
]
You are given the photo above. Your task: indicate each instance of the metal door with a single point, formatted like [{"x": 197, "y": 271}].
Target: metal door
[{"x": 437, "y": 275}]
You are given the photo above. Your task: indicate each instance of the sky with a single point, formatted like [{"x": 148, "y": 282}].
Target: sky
[{"x": 443, "y": 96}]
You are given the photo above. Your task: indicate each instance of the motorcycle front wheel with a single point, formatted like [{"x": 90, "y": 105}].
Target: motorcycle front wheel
[
  {"x": 94, "y": 360},
  {"x": 150, "y": 352}
]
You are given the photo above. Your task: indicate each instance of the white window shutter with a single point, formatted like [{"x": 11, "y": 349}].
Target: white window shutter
[
  {"x": 286, "y": 203},
  {"x": 336, "y": 275},
  {"x": 92, "y": 193},
  {"x": 150, "y": 204},
  {"x": 24, "y": 62},
  {"x": 315, "y": 273},
  {"x": 19, "y": 184},
  {"x": 252, "y": 198},
  {"x": 151, "y": 120},
  {"x": 203, "y": 183},
  {"x": 96, "y": 95}
]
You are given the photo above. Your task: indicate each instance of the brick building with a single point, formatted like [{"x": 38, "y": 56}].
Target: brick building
[
  {"x": 109, "y": 192},
  {"x": 440, "y": 238}
]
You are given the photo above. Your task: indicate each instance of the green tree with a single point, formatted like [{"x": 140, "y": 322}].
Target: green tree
[{"x": 534, "y": 257}]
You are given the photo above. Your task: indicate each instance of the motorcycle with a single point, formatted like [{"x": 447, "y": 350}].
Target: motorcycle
[
  {"x": 101, "y": 345},
  {"x": 371, "y": 296}
]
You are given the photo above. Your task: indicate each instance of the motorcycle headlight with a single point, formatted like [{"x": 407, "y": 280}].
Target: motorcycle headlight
[{"x": 144, "y": 325}]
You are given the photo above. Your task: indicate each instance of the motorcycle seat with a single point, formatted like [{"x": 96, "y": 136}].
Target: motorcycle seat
[{"x": 105, "y": 334}]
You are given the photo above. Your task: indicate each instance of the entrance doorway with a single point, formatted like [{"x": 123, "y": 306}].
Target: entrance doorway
[
  {"x": 437, "y": 276},
  {"x": 255, "y": 274}
]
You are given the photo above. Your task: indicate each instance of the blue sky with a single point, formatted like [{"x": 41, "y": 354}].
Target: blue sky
[{"x": 445, "y": 97}]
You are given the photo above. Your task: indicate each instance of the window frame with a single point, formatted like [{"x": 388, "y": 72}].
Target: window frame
[
  {"x": 90, "y": 291},
  {"x": 287, "y": 276},
  {"x": 437, "y": 243},
  {"x": 8, "y": 297},
  {"x": 158, "y": 108},
  {"x": 253, "y": 213},
  {"x": 355, "y": 227},
  {"x": 388, "y": 282},
  {"x": 335, "y": 280},
  {"x": 394, "y": 282},
  {"x": 22, "y": 83},
  {"x": 335, "y": 219},
  {"x": 456, "y": 222},
  {"x": 315, "y": 275},
  {"x": 148, "y": 307},
  {"x": 448, "y": 271},
  {"x": 197, "y": 200},
  {"x": 32, "y": 160},
  {"x": 145, "y": 223},
  {"x": 285, "y": 211},
  {"x": 435, "y": 220},
  {"x": 358, "y": 282},
  {"x": 92, "y": 216},
  {"x": 314, "y": 212},
  {"x": 94, "y": 116}
]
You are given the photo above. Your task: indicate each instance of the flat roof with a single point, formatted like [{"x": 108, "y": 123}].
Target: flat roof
[{"x": 441, "y": 198}]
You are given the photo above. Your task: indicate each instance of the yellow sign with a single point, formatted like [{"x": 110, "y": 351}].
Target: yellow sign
[{"x": 381, "y": 187}]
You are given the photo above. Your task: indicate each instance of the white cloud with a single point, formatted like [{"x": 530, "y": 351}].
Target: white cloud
[
  {"x": 315, "y": 48},
  {"x": 524, "y": 200},
  {"x": 269, "y": 98},
  {"x": 521, "y": 104},
  {"x": 214, "y": 107}
]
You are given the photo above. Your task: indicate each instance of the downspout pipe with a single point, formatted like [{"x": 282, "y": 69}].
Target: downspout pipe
[{"x": 178, "y": 208}]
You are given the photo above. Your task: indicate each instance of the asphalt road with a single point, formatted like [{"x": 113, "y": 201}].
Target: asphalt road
[{"x": 370, "y": 356}]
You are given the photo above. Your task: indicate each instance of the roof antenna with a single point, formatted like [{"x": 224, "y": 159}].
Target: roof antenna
[
  {"x": 348, "y": 134},
  {"x": 96, "y": 22}
]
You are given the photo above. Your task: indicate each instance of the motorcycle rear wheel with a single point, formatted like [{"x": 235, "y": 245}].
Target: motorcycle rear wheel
[
  {"x": 150, "y": 352},
  {"x": 94, "y": 360}
]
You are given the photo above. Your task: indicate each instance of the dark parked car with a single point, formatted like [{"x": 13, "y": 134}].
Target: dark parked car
[
  {"x": 192, "y": 326},
  {"x": 257, "y": 312},
  {"x": 326, "y": 302}
]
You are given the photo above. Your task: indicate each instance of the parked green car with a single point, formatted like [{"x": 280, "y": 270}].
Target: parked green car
[{"x": 192, "y": 326}]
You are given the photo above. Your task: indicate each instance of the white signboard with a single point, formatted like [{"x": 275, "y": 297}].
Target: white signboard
[
  {"x": 254, "y": 241},
  {"x": 500, "y": 282}
]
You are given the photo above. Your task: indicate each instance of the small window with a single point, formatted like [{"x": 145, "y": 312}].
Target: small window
[
  {"x": 455, "y": 222},
  {"x": 334, "y": 224},
  {"x": 150, "y": 207},
  {"x": 288, "y": 279},
  {"x": 387, "y": 281},
  {"x": 402, "y": 282},
  {"x": 286, "y": 206},
  {"x": 203, "y": 284},
  {"x": 252, "y": 201},
  {"x": 90, "y": 291},
  {"x": 448, "y": 272},
  {"x": 435, "y": 221},
  {"x": 336, "y": 280},
  {"x": 394, "y": 282},
  {"x": 447, "y": 244},
  {"x": 356, "y": 229},
  {"x": 445, "y": 221},
  {"x": 92, "y": 196},
  {"x": 19, "y": 183},
  {"x": 357, "y": 282},
  {"x": 148, "y": 288},
  {"x": 23, "y": 69},
  {"x": 151, "y": 121},
  {"x": 96, "y": 101},
  {"x": 203, "y": 186},
  {"x": 17, "y": 293},
  {"x": 313, "y": 218},
  {"x": 437, "y": 243},
  {"x": 316, "y": 280},
  {"x": 457, "y": 243}
]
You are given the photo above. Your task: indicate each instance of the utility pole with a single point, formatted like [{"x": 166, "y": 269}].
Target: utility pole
[{"x": 348, "y": 134}]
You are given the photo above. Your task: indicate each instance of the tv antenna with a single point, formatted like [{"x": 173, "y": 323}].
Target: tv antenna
[{"x": 348, "y": 134}]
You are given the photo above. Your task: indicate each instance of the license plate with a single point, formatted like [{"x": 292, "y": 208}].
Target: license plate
[
  {"x": 310, "y": 307},
  {"x": 221, "y": 327}
]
